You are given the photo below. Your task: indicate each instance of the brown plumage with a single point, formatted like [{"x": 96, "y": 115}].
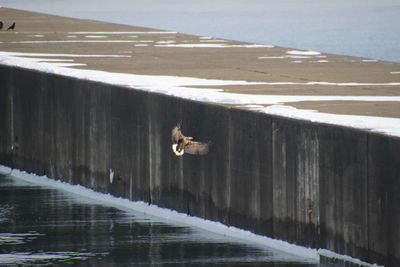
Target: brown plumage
[{"x": 182, "y": 144}]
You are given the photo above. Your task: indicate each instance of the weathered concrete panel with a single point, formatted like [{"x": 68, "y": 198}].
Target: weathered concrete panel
[
  {"x": 313, "y": 184},
  {"x": 384, "y": 199},
  {"x": 296, "y": 181},
  {"x": 129, "y": 159},
  {"x": 249, "y": 171},
  {"x": 343, "y": 190},
  {"x": 6, "y": 116}
]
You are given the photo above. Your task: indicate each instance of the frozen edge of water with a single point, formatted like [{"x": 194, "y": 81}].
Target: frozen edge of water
[{"x": 309, "y": 254}]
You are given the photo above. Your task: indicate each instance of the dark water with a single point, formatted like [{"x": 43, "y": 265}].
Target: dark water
[
  {"x": 46, "y": 226},
  {"x": 368, "y": 28}
]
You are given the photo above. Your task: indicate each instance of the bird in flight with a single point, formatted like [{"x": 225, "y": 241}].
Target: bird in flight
[
  {"x": 11, "y": 27},
  {"x": 182, "y": 144}
]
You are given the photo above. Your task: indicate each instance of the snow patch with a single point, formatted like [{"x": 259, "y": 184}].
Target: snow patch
[
  {"x": 73, "y": 41},
  {"x": 165, "y": 42},
  {"x": 303, "y": 53},
  {"x": 212, "y": 40},
  {"x": 123, "y": 33},
  {"x": 286, "y": 56},
  {"x": 96, "y": 36},
  {"x": 179, "y": 87},
  {"x": 253, "y": 106},
  {"x": 220, "y": 45},
  {"x": 27, "y": 54},
  {"x": 36, "y": 35},
  {"x": 377, "y": 124},
  {"x": 53, "y": 62}
]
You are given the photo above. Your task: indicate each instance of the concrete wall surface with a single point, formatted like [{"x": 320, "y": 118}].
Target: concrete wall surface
[{"x": 317, "y": 185}]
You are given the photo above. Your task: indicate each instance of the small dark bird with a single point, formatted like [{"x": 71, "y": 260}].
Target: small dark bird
[
  {"x": 182, "y": 144},
  {"x": 1, "y": 25},
  {"x": 11, "y": 27}
]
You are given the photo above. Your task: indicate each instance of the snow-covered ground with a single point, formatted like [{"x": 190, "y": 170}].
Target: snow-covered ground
[{"x": 179, "y": 87}]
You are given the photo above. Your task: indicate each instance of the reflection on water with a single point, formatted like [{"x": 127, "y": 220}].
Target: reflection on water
[{"x": 40, "y": 225}]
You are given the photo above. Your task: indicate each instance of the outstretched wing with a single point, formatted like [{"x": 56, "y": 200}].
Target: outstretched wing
[
  {"x": 176, "y": 133},
  {"x": 197, "y": 148}
]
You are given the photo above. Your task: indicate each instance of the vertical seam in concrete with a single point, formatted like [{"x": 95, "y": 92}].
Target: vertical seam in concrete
[
  {"x": 11, "y": 96},
  {"x": 108, "y": 128},
  {"x": 367, "y": 192},
  {"x": 229, "y": 173},
  {"x": 318, "y": 185},
  {"x": 272, "y": 176},
  {"x": 149, "y": 130},
  {"x": 130, "y": 186}
]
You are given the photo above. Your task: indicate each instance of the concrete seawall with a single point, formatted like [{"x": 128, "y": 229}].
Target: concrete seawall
[{"x": 312, "y": 184}]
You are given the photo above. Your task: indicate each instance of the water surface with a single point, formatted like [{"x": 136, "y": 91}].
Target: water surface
[
  {"x": 45, "y": 226},
  {"x": 368, "y": 28}
]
